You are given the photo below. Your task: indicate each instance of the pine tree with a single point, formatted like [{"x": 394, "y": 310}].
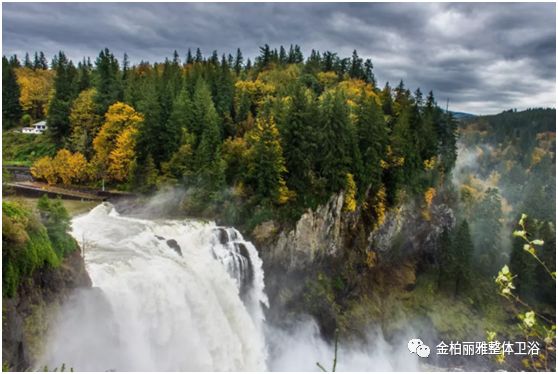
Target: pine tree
[
  {"x": 58, "y": 119},
  {"x": 189, "y": 58},
  {"x": 199, "y": 56},
  {"x": 464, "y": 249},
  {"x": 203, "y": 111},
  {"x": 153, "y": 138},
  {"x": 11, "y": 107},
  {"x": 266, "y": 166},
  {"x": 298, "y": 135},
  {"x": 224, "y": 95},
  {"x": 43, "y": 63},
  {"x": 372, "y": 141},
  {"x": 27, "y": 62},
  {"x": 107, "y": 81},
  {"x": 356, "y": 70},
  {"x": 238, "y": 62},
  {"x": 368, "y": 73},
  {"x": 180, "y": 119},
  {"x": 336, "y": 140}
]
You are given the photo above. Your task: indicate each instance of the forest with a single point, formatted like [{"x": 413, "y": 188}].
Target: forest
[
  {"x": 279, "y": 134},
  {"x": 269, "y": 139}
]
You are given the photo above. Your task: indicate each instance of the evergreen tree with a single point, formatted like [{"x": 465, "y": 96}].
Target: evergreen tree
[
  {"x": 335, "y": 139},
  {"x": 189, "y": 58},
  {"x": 153, "y": 138},
  {"x": 84, "y": 76},
  {"x": 487, "y": 231},
  {"x": 107, "y": 81},
  {"x": 368, "y": 73},
  {"x": 356, "y": 70},
  {"x": 58, "y": 119},
  {"x": 204, "y": 113},
  {"x": 43, "y": 63},
  {"x": 180, "y": 119},
  {"x": 11, "y": 107},
  {"x": 238, "y": 61},
  {"x": 267, "y": 166},
  {"x": 372, "y": 141},
  {"x": 298, "y": 139},
  {"x": 446, "y": 126},
  {"x": 199, "y": 56},
  {"x": 464, "y": 249},
  {"x": 27, "y": 62}
]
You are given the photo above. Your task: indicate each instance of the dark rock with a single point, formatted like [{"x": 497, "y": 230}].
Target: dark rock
[
  {"x": 174, "y": 245},
  {"x": 159, "y": 237},
  {"x": 222, "y": 235}
]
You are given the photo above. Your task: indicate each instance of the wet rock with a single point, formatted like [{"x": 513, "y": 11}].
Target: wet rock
[
  {"x": 264, "y": 232},
  {"x": 317, "y": 233},
  {"x": 174, "y": 245},
  {"x": 222, "y": 235}
]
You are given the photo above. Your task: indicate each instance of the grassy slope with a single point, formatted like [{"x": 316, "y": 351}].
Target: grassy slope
[{"x": 22, "y": 149}]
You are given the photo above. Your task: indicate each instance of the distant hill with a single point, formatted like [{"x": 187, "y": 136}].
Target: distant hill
[{"x": 462, "y": 116}]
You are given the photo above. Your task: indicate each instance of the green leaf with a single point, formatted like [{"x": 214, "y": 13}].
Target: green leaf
[
  {"x": 519, "y": 233},
  {"x": 530, "y": 249},
  {"x": 529, "y": 319},
  {"x": 537, "y": 242}
]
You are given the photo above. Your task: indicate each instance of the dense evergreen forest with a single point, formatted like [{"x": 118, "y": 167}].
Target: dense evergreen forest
[{"x": 278, "y": 134}]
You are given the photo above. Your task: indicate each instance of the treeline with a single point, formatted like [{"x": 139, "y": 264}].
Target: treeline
[{"x": 279, "y": 131}]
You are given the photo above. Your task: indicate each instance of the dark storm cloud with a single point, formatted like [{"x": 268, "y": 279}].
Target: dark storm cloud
[{"x": 483, "y": 57}]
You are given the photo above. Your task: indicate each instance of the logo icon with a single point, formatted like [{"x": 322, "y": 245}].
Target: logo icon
[{"x": 418, "y": 347}]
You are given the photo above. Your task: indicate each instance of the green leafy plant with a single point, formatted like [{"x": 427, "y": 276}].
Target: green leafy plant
[{"x": 533, "y": 324}]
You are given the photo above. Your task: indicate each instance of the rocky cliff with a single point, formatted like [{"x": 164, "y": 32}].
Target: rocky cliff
[
  {"x": 27, "y": 315},
  {"x": 333, "y": 259}
]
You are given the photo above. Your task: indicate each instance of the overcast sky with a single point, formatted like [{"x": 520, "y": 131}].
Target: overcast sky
[{"x": 484, "y": 57}]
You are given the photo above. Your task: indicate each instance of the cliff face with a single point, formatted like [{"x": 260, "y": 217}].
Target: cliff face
[
  {"x": 27, "y": 315},
  {"x": 361, "y": 258}
]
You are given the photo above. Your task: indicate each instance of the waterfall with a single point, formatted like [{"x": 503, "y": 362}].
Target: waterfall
[{"x": 168, "y": 296}]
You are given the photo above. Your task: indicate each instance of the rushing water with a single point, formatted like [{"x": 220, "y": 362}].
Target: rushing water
[{"x": 168, "y": 295}]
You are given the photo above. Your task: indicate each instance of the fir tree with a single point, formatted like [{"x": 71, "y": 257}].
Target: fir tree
[
  {"x": 58, "y": 119},
  {"x": 11, "y": 107}
]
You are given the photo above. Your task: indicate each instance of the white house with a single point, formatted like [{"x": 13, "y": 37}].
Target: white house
[{"x": 37, "y": 128}]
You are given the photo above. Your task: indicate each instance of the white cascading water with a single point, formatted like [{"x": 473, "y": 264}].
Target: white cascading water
[{"x": 168, "y": 296}]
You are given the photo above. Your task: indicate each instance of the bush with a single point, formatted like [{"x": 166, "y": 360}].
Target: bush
[{"x": 26, "y": 246}]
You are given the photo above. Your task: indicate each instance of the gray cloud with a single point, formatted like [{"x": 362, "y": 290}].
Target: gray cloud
[{"x": 483, "y": 57}]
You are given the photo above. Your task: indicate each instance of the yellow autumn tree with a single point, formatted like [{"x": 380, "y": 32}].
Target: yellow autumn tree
[
  {"x": 327, "y": 79},
  {"x": 118, "y": 118},
  {"x": 43, "y": 169},
  {"x": 85, "y": 122},
  {"x": 62, "y": 167},
  {"x": 121, "y": 158},
  {"x": 380, "y": 205},
  {"x": 79, "y": 166},
  {"x": 350, "y": 203},
  {"x": 36, "y": 87}
]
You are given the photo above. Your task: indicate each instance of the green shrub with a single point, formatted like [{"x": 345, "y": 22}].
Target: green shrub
[{"x": 30, "y": 242}]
